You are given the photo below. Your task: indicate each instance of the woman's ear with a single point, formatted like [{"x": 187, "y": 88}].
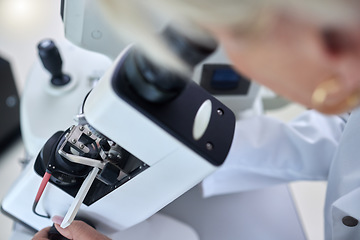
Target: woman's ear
[{"x": 341, "y": 90}]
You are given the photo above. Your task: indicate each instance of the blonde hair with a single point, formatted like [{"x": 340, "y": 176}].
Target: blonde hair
[{"x": 140, "y": 20}]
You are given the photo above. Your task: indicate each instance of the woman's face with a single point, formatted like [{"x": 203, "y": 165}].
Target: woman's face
[{"x": 292, "y": 59}]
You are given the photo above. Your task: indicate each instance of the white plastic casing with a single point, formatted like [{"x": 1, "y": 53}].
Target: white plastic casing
[{"x": 86, "y": 27}]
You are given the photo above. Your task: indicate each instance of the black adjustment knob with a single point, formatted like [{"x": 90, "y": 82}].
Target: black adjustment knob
[
  {"x": 51, "y": 59},
  {"x": 55, "y": 235},
  {"x": 105, "y": 145}
]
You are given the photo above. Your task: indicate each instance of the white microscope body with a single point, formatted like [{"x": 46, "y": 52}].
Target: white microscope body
[{"x": 170, "y": 164}]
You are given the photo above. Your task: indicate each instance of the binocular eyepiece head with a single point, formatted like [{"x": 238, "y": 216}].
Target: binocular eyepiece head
[{"x": 159, "y": 84}]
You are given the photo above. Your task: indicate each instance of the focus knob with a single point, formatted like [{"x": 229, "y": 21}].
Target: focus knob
[{"x": 51, "y": 59}]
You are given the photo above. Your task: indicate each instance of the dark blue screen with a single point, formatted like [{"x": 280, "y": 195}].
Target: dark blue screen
[{"x": 225, "y": 78}]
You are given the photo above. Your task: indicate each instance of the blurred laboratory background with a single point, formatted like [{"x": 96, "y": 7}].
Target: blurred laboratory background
[{"x": 23, "y": 23}]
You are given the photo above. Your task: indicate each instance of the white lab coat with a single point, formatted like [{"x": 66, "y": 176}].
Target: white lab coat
[
  {"x": 343, "y": 195},
  {"x": 267, "y": 151}
]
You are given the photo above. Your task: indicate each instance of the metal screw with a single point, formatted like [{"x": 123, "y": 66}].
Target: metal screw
[
  {"x": 118, "y": 156},
  {"x": 81, "y": 128},
  {"x": 81, "y": 146},
  {"x": 209, "y": 146},
  {"x": 73, "y": 140},
  {"x": 220, "y": 112},
  {"x": 89, "y": 133}
]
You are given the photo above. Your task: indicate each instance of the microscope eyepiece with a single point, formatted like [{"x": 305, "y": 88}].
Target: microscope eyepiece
[
  {"x": 189, "y": 50},
  {"x": 151, "y": 82},
  {"x": 158, "y": 84}
]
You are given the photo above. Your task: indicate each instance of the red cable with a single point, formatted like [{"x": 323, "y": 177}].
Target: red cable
[{"x": 43, "y": 184}]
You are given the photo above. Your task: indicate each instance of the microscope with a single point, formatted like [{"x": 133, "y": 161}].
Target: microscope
[{"x": 143, "y": 135}]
